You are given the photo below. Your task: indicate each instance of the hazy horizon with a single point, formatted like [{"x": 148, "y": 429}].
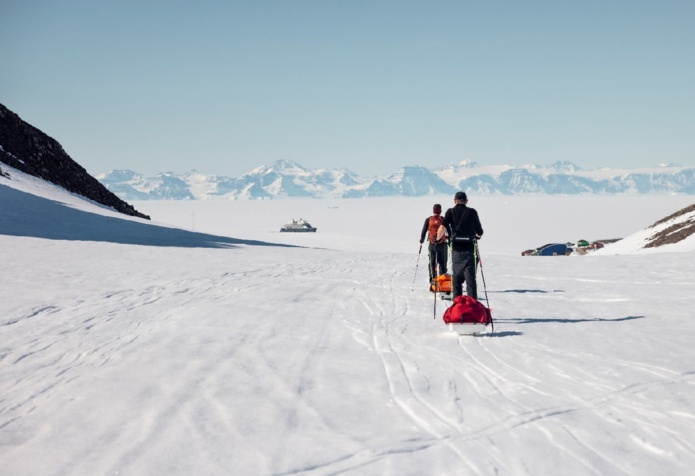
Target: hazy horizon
[{"x": 432, "y": 167}]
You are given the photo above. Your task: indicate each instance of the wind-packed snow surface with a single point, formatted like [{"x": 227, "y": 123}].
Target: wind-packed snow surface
[{"x": 140, "y": 349}]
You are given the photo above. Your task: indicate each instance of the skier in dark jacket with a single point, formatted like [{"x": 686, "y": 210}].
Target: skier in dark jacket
[
  {"x": 438, "y": 251},
  {"x": 463, "y": 226}
]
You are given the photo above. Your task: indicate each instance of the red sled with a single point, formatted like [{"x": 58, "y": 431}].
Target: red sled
[{"x": 468, "y": 316}]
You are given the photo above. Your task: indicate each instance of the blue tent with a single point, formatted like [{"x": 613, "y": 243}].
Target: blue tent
[{"x": 554, "y": 249}]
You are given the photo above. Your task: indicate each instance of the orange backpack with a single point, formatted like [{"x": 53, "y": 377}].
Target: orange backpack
[{"x": 435, "y": 222}]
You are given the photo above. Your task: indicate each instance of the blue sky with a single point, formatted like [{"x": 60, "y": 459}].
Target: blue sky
[{"x": 226, "y": 86}]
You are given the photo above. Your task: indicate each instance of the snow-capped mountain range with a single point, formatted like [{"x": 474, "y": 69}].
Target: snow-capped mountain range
[{"x": 287, "y": 178}]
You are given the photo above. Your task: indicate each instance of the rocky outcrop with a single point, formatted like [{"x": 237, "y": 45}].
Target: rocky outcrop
[
  {"x": 680, "y": 226},
  {"x": 29, "y": 150}
]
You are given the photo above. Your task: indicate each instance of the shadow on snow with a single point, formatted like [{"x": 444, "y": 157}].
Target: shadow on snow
[
  {"x": 523, "y": 291},
  {"x": 566, "y": 321},
  {"x": 502, "y": 334},
  {"x": 24, "y": 214}
]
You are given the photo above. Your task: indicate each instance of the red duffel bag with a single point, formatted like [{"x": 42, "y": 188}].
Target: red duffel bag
[{"x": 466, "y": 310}]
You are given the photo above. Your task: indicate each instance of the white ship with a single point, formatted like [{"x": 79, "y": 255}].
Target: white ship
[{"x": 298, "y": 226}]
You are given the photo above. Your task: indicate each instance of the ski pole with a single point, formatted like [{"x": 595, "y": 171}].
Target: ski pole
[
  {"x": 435, "y": 281},
  {"x": 416, "y": 266},
  {"x": 480, "y": 260},
  {"x": 434, "y": 315},
  {"x": 482, "y": 274}
]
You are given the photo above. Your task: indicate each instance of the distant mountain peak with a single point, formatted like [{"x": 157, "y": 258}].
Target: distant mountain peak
[
  {"x": 457, "y": 166},
  {"x": 467, "y": 164},
  {"x": 565, "y": 166},
  {"x": 287, "y": 178}
]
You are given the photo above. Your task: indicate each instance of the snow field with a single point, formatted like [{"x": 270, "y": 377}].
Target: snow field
[{"x": 128, "y": 359}]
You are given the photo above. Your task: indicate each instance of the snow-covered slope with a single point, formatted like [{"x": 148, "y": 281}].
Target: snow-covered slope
[
  {"x": 120, "y": 357},
  {"x": 32, "y": 207},
  {"x": 673, "y": 233}
]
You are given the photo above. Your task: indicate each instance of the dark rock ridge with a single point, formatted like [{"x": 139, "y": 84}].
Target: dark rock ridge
[
  {"x": 682, "y": 228},
  {"x": 29, "y": 150}
]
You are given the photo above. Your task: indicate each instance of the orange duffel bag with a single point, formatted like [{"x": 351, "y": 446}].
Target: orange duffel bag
[{"x": 441, "y": 284}]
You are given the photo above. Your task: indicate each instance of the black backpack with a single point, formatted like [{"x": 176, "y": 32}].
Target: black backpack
[{"x": 459, "y": 237}]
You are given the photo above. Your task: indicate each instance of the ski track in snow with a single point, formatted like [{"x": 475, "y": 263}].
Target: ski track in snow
[
  {"x": 427, "y": 384},
  {"x": 119, "y": 359},
  {"x": 424, "y": 382}
]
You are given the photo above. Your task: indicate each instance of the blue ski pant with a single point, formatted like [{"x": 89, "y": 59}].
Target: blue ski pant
[{"x": 463, "y": 270}]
